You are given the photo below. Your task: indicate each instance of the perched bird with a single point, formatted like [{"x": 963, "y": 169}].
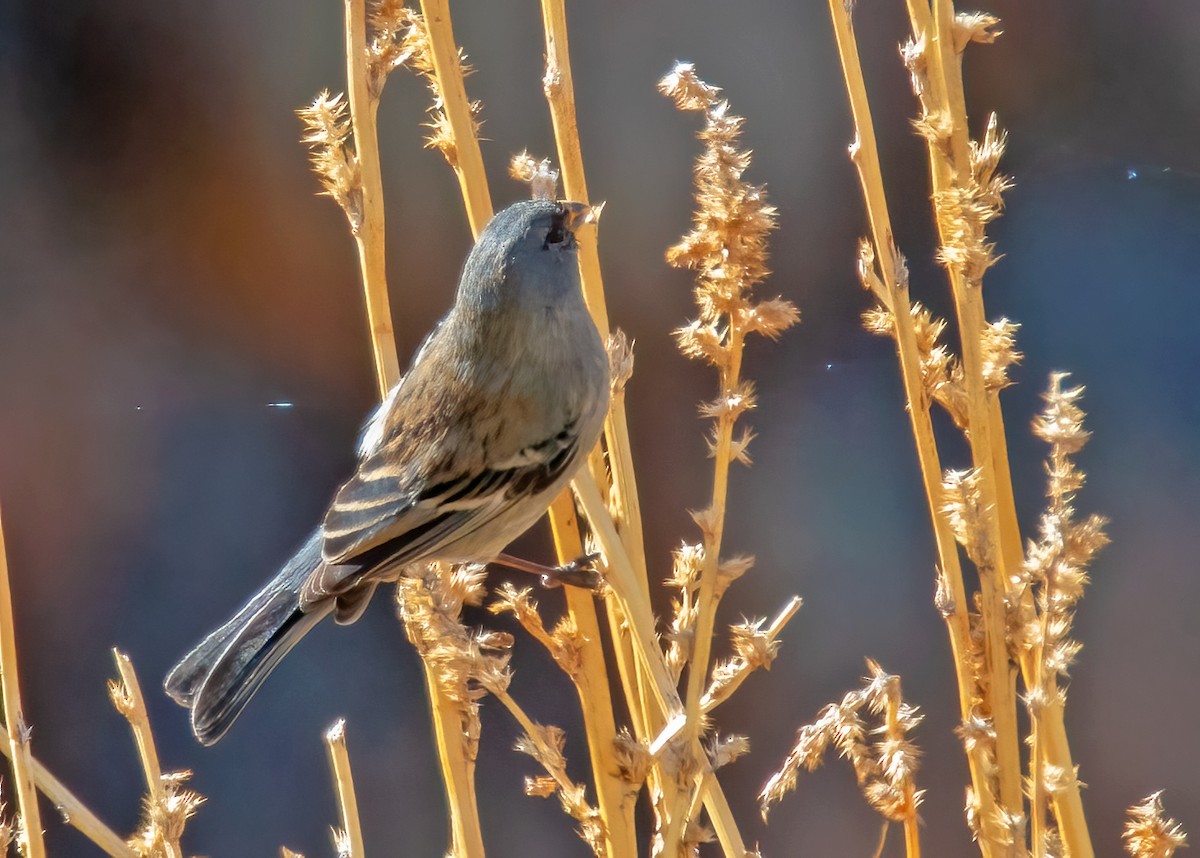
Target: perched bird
[{"x": 500, "y": 407}]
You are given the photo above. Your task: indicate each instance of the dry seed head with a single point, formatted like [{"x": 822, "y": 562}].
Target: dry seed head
[
  {"x": 541, "y": 176},
  {"x": 684, "y": 87},
  {"x": 998, "y": 345},
  {"x": 341, "y": 842},
  {"x": 632, "y": 758},
  {"x": 327, "y": 134},
  {"x": 1149, "y": 833},
  {"x": 397, "y": 38},
  {"x": 620, "y": 360},
  {"x": 401, "y": 38},
  {"x": 975, "y": 27},
  {"x": 724, "y": 750},
  {"x": 163, "y": 820},
  {"x": 731, "y": 569},
  {"x": 884, "y": 771},
  {"x": 963, "y": 506}
]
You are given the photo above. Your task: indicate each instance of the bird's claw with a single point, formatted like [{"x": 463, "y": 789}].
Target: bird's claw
[{"x": 578, "y": 573}]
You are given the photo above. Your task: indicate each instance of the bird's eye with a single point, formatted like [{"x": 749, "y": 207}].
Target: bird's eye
[{"x": 557, "y": 233}]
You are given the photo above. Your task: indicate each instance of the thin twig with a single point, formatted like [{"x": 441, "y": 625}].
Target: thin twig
[
  {"x": 339, "y": 761},
  {"x": 19, "y": 752},
  {"x": 466, "y": 159},
  {"x": 595, "y": 696},
  {"x": 127, "y": 696},
  {"x": 369, "y": 234},
  {"x": 73, "y": 811}
]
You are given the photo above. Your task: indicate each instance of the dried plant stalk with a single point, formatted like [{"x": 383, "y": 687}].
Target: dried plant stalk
[
  {"x": 369, "y": 234},
  {"x": 619, "y": 478},
  {"x": 464, "y": 157},
  {"x": 885, "y": 770},
  {"x": 727, "y": 249},
  {"x": 890, "y": 288},
  {"x": 941, "y": 38},
  {"x": 368, "y": 227},
  {"x": 74, "y": 812},
  {"x": 168, "y": 805},
  {"x": 1056, "y": 570},
  {"x": 350, "y": 835},
  {"x": 615, "y": 799},
  {"x": 19, "y": 754},
  {"x": 966, "y": 257}
]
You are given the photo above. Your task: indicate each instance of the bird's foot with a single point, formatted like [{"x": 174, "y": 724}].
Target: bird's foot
[{"x": 578, "y": 573}]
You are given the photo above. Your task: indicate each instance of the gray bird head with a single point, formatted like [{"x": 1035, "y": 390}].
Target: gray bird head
[{"x": 526, "y": 255}]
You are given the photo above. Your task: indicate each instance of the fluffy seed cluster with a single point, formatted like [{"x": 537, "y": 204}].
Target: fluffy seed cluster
[
  {"x": 885, "y": 769},
  {"x": 1149, "y": 832},
  {"x": 541, "y": 176},
  {"x": 727, "y": 247},
  {"x": 399, "y": 38},
  {"x": 327, "y": 134},
  {"x": 564, "y": 643},
  {"x": 1056, "y": 564},
  {"x": 466, "y": 664},
  {"x": 163, "y": 820},
  {"x": 545, "y": 744}
]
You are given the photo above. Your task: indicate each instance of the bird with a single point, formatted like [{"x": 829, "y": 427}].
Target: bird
[{"x": 496, "y": 413}]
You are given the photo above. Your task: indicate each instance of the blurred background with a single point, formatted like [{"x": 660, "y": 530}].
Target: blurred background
[{"x": 184, "y": 362}]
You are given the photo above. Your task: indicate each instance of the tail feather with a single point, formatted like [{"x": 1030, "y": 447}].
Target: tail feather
[
  {"x": 246, "y": 662},
  {"x": 217, "y": 678}
]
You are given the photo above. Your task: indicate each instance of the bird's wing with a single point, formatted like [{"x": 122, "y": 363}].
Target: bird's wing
[{"x": 389, "y": 514}]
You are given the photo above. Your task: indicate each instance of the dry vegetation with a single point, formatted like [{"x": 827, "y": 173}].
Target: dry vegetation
[{"x": 1007, "y": 605}]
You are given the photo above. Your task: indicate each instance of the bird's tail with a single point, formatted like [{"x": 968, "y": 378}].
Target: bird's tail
[{"x": 217, "y": 678}]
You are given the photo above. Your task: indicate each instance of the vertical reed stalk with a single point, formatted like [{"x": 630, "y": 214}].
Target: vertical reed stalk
[
  {"x": 465, "y": 157},
  {"x": 945, "y": 73},
  {"x": 560, "y": 95},
  {"x": 127, "y": 696},
  {"x": 454, "y": 756},
  {"x": 950, "y": 170},
  {"x": 615, "y": 803},
  {"x": 369, "y": 228},
  {"x": 339, "y": 762},
  {"x": 19, "y": 753},
  {"x": 894, "y": 296}
]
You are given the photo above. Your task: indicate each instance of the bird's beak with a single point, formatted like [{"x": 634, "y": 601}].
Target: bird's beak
[{"x": 579, "y": 214}]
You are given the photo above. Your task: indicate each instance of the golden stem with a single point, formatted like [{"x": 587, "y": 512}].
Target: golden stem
[
  {"x": 912, "y": 835},
  {"x": 339, "y": 761},
  {"x": 467, "y": 160},
  {"x": 454, "y": 756},
  {"x": 19, "y": 753},
  {"x": 133, "y": 707},
  {"x": 706, "y": 609},
  {"x": 894, "y": 296},
  {"x": 950, "y": 170},
  {"x": 614, "y": 799},
  {"x": 946, "y": 75},
  {"x": 711, "y": 700},
  {"x": 640, "y": 620},
  {"x": 369, "y": 234},
  {"x": 531, "y": 730},
  {"x": 560, "y": 96},
  {"x": 74, "y": 812}
]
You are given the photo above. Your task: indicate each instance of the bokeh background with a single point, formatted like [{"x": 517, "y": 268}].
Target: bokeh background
[{"x": 167, "y": 274}]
